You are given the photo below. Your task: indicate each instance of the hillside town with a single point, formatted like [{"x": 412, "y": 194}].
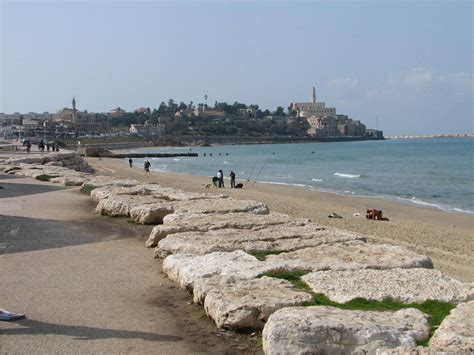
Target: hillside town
[{"x": 301, "y": 119}]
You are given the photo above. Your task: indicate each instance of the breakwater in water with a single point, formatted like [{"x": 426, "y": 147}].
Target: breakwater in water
[{"x": 148, "y": 155}]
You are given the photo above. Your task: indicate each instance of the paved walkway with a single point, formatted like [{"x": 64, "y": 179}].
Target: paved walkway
[{"x": 87, "y": 284}]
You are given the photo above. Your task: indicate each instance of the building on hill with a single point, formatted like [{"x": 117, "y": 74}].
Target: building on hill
[
  {"x": 82, "y": 121},
  {"x": 313, "y": 108},
  {"x": 116, "y": 112}
]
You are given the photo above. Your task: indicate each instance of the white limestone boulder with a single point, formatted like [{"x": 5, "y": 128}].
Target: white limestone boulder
[
  {"x": 401, "y": 285},
  {"x": 70, "y": 180},
  {"x": 352, "y": 256},
  {"x": 207, "y": 222},
  {"x": 245, "y": 304},
  {"x": 456, "y": 332},
  {"x": 221, "y": 206},
  {"x": 120, "y": 205},
  {"x": 191, "y": 272},
  {"x": 279, "y": 237},
  {"x": 327, "y": 330},
  {"x": 150, "y": 213}
]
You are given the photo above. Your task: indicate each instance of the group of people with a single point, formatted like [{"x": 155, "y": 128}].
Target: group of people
[
  {"x": 146, "y": 164},
  {"x": 42, "y": 145},
  {"x": 219, "y": 179}
]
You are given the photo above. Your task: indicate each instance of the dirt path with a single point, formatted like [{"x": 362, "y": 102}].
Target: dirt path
[{"x": 88, "y": 284}]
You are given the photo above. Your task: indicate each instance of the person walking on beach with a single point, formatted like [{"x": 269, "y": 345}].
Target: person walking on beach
[
  {"x": 220, "y": 178},
  {"x": 28, "y": 146},
  {"x": 232, "y": 180},
  {"x": 130, "y": 162},
  {"x": 147, "y": 165}
]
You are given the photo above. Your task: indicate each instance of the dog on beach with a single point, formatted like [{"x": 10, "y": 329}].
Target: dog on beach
[
  {"x": 215, "y": 180},
  {"x": 239, "y": 185}
]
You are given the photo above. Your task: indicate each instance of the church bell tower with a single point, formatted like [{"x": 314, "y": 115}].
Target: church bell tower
[{"x": 314, "y": 95}]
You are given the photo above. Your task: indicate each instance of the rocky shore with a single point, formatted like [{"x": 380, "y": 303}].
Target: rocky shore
[{"x": 309, "y": 288}]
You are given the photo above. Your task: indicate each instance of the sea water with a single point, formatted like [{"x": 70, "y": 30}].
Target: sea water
[{"x": 435, "y": 173}]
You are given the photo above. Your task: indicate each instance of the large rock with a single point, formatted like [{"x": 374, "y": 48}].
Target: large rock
[
  {"x": 70, "y": 180},
  {"x": 157, "y": 191},
  {"x": 207, "y": 222},
  {"x": 402, "y": 285},
  {"x": 249, "y": 303},
  {"x": 327, "y": 330},
  {"x": 220, "y": 206},
  {"x": 150, "y": 213},
  {"x": 120, "y": 205},
  {"x": 456, "y": 332},
  {"x": 192, "y": 272},
  {"x": 352, "y": 256},
  {"x": 279, "y": 237}
]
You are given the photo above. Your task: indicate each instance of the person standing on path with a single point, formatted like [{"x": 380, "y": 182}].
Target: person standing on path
[
  {"x": 232, "y": 180},
  {"x": 130, "y": 162}
]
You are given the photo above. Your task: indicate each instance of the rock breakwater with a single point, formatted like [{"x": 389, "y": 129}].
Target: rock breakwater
[{"x": 228, "y": 253}]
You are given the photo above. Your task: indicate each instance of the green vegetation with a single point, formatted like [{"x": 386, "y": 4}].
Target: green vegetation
[
  {"x": 15, "y": 168},
  {"x": 45, "y": 177},
  {"x": 262, "y": 255},
  {"x": 235, "y": 119},
  {"x": 436, "y": 310},
  {"x": 87, "y": 188}
]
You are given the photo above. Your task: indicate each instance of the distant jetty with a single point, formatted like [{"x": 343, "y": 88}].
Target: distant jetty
[
  {"x": 148, "y": 155},
  {"x": 429, "y": 136}
]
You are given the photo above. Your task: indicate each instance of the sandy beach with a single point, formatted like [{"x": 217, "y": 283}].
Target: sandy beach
[{"x": 447, "y": 238}]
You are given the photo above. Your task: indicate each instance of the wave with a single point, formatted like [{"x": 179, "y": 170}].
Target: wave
[
  {"x": 441, "y": 207},
  {"x": 176, "y": 159},
  {"x": 350, "y": 176},
  {"x": 283, "y": 183},
  {"x": 317, "y": 180}
]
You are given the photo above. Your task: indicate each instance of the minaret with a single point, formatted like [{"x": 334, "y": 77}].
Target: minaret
[
  {"x": 314, "y": 95},
  {"x": 74, "y": 110}
]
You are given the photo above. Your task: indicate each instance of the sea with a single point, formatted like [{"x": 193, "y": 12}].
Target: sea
[{"x": 434, "y": 173}]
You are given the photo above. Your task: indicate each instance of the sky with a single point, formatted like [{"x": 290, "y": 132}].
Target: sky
[{"x": 405, "y": 67}]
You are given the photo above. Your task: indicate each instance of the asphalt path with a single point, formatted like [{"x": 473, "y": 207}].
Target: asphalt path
[{"x": 87, "y": 283}]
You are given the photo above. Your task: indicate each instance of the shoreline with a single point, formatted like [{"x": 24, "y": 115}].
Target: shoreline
[{"x": 445, "y": 237}]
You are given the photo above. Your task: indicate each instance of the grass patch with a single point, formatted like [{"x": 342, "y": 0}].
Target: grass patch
[
  {"x": 435, "y": 310},
  {"x": 87, "y": 188},
  {"x": 45, "y": 177},
  {"x": 262, "y": 255},
  {"x": 14, "y": 168},
  {"x": 293, "y": 276}
]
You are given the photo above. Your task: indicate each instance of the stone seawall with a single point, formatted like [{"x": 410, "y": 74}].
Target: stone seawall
[{"x": 254, "y": 269}]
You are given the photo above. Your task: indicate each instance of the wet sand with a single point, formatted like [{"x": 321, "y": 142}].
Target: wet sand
[{"x": 447, "y": 238}]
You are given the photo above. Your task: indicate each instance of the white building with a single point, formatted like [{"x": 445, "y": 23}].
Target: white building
[{"x": 313, "y": 108}]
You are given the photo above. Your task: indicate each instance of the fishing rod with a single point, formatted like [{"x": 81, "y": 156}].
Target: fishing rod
[
  {"x": 263, "y": 166},
  {"x": 250, "y": 174}
]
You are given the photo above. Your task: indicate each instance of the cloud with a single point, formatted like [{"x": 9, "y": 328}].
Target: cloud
[
  {"x": 461, "y": 82},
  {"x": 418, "y": 78},
  {"x": 343, "y": 83},
  {"x": 372, "y": 92}
]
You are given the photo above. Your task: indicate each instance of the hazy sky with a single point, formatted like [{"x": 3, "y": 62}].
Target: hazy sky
[{"x": 408, "y": 62}]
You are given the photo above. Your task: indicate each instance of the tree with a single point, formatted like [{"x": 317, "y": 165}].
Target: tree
[
  {"x": 280, "y": 111},
  {"x": 182, "y": 106}
]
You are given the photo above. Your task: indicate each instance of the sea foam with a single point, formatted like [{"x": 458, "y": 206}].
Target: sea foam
[{"x": 350, "y": 176}]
